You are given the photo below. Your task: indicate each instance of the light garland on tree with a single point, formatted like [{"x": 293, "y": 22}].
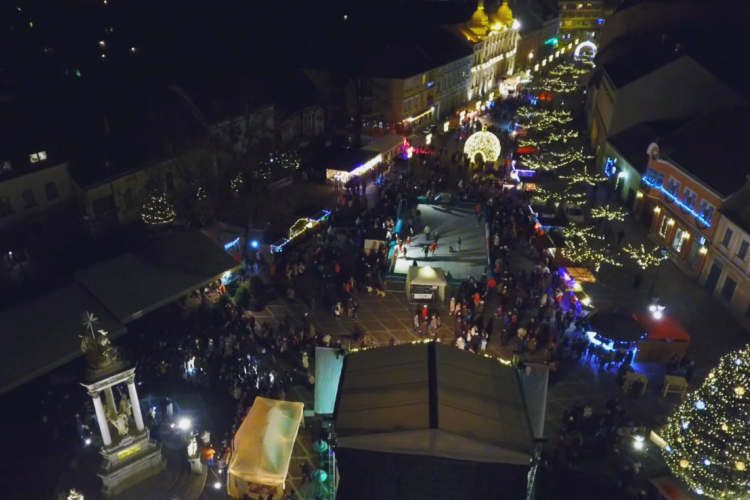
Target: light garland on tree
[
  {"x": 158, "y": 211},
  {"x": 643, "y": 257},
  {"x": 558, "y": 160},
  {"x": 708, "y": 441},
  {"x": 236, "y": 183},
  {"x": 200, "y": 194},
  {"x": 567, "y": 69},
  {"x": 585, "y": 177},
  {"x": 484, "y": 143},
  {"x": 586, "y": 233},
  {"x": 564, "y": 136},
  {"x": 531, "y": 119},
  {"x": 580, "y": 253},
  {"x": 608, "y": 213},
  {"x": 556, "y": 85}
]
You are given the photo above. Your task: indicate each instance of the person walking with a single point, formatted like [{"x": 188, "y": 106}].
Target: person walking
[
  {"x": 452, "y": 306},
  {"x": 435, "y": 237},
  {"x": 427, "y": 232},
  {"x": 433, "y": 247},
  {"x": 426, "y": 250},
  {"x": 458, "y": 244},
  {"x": 209, "y": 453}
]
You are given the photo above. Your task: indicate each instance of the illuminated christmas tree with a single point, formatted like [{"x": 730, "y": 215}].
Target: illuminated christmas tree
[
  {"x": 708, "y": 436},
  {"x": 158, "y": 211}
]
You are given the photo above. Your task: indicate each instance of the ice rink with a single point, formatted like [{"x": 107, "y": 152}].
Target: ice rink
[{"x": 450, "y": 222}]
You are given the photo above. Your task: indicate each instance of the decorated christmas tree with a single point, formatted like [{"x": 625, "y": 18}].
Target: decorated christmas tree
[
  {"x": 708, "y": 436},
  {"x": 158, "y": 211}
]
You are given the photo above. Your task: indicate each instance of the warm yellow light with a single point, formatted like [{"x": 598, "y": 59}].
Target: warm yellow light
[
  {"x": 586, "y": 301},
  {"x": 739, "y": 390},
  {"x": 446, "y": 126},
  {"x": 739, "y": 466},
  {"x": 684, "y": 464},
  {"x": 724, "y": 427},
  {"x": 544, "y": 63},
  {"x": 536, "y": 67},
  {"x": 531, "y": 55},
  {"x": 428, "y": 139},
  {"x": 703, "y": 251},
  {"x": 639, "y": 195},
  {"x": 657, "y": 210},
  {"x": 685, "y": 236},
  {"x": 479, "y": 105},
  {"x": 670, "y": 222}
]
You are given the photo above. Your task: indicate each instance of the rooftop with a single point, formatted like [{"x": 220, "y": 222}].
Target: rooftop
[
  {"x": 435, "y": 400},
  {"x": 633, "y": 142},
  {"x": 42, "y": 334},
  {"x": 708, "y": 148},
  {"x": 737, "y": 209},
  {"x": 166, "y": 269}
]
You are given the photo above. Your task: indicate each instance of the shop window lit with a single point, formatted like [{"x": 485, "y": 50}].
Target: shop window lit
[
  {"x": 679, "y": 240},
  {"x": 664, "y": 227}
]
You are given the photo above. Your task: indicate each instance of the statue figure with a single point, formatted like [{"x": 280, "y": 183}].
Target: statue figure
[
  {"x": 192, "y": 449},
  {"x": 99, "y": 350},
  {"x": 120, "y": 422},
  {"x": 125, "y": 405}
]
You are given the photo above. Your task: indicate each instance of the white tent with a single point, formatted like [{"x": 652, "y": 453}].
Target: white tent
[
  {"x": 263, "y": 448},
  {"x": 426, "y": 283}
]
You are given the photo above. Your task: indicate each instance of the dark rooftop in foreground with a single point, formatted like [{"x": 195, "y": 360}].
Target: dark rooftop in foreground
[{"x": 710, "y": 148}]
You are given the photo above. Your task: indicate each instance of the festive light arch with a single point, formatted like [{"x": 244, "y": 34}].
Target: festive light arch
[
  {"x": 586, "y": 44},
  {"x": 484, "y": 143}
]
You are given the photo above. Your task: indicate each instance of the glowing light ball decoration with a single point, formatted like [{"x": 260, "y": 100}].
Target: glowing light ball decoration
[
  {"x": 707, "y": 436},
  {"x": 484, "y": 143}
]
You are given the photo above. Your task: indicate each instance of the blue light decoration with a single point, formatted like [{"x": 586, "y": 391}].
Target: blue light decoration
[
  {"x": 672, "y": 197},
  {"x": 254, "y": 244},
  {"x": 231, "y": 244},
  {"x": 702, "y": 241},
  {"x": 600, "y": 21},
  {"x": 610, "y": 166},
  {"x": 430, "y": 84},
  {"x": 700, "y": 405}
]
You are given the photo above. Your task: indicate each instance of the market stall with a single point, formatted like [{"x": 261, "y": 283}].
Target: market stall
[
  {"x": 354, "y": 164},
  {"x": 652, "y": 340},
  {"x": 262, "y": 449},
  {"x": 664, "y": 339},
  {"x": 426, "y": 284},
  {"x": 303, "y": 226}
]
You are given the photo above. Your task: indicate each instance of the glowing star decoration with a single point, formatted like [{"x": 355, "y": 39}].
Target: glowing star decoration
[
  {"x": 89, "y": 320},
  {"x": 486, "y": 144},
  {"x": 158, "y": 211},
  {"x": 717, "y": 437}
]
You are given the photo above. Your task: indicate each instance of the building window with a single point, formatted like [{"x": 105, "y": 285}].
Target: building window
[
  {"x": 51, "y": 190},
  {"x": 664, "y": 226},
  {"x": 28, "y": 198},
  {"x": 727, "y": 239},
  {"x": 689, "y": 199},
  {"x": 727, "y": 291},
  {"x": 706, "y": 212},
  {"x": 654, "y": 177},
  {"x": 673, "y": 187},
  {"x": 679, "y": 240},
  {"x": 37, "y": 157},
  {"x": 742, "y": 252},
  {"x": 6, "y": 208}
]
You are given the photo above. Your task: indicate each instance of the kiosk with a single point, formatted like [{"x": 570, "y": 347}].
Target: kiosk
[{"x": 426, "y": 284}]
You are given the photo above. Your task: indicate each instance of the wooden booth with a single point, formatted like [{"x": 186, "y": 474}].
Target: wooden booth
[{"x": 426, "y": 284}]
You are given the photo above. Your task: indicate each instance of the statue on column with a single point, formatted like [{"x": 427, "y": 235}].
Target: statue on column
[
  {"x": 119, "y": 421},
  {"x": 95, "y": 344}
]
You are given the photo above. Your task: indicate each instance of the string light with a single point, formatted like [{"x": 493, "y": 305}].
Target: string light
[
  {"x": 158, "y": 211},
  {"x": 541, "y": 119},
  {"x": 236, "y": 183},
  {"x": 643, "y": 257},
  {"x": 605, "y": 212},
  {"x": 580, "y": 253},
  {"x": 709, "y": 457}
]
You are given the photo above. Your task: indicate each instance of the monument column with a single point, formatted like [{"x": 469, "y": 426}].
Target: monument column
[
  {"x": 135, "y": 404},
  {"x": 110, "y": 397},
  {"x": 101, "y": 419}
]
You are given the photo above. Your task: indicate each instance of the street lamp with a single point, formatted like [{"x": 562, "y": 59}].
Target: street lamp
[{"x": 657, "y": 311}]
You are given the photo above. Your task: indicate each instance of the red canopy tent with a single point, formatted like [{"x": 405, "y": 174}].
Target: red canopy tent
[
  {"x": 527, "y": 150},
  {"x": 663, "y": 339}
]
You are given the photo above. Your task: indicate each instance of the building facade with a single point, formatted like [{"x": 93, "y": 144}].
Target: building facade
[
  {"x": 582, "y": 20},
  {"x": 34, "y": 192},
  {"x": 637, "y": 88},
  {"x": 682, "y": 210},
  {"x": 495, "y": 40}
]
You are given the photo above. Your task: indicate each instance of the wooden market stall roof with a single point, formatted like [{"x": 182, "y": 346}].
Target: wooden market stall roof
[{"x": 581, "y": 274}]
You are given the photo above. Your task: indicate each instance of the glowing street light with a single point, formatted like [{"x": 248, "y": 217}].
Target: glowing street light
[
  {"x": 657, "y": 311},
  {"x": 184, "y": 424}
]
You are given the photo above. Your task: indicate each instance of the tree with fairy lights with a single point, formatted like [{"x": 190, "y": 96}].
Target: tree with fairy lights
[
  {"x": 708, "y": 436},
  {"x": 158, "y": 211}
]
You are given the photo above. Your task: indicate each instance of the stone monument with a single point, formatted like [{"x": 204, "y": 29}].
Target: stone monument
[{"x": 130, "y": 456}]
